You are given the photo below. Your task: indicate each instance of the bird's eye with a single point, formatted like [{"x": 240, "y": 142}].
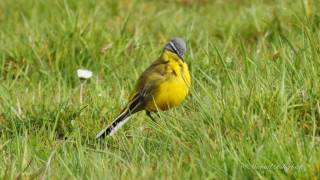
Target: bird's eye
[{"x": 174, "y": 48}]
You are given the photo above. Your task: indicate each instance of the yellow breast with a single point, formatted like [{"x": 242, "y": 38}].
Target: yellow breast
[{"x": 175, "y": 88}]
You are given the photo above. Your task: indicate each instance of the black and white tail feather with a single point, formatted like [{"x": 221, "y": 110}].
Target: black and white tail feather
[
  {"x": 119, "y": 121},
  {"x": 123, "y": 117}
]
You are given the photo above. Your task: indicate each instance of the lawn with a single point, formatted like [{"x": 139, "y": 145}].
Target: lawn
[{"x": 253, "y": 111}]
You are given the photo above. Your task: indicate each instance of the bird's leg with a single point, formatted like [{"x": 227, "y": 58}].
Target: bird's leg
[
  {"x": 149, "y": 115},
  {"x": 157, "y": 113}
]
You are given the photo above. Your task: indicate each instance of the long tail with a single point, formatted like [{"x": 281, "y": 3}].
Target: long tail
[
  {"x": 119, "y": 121},
  {"x": 122, "y": 118}
]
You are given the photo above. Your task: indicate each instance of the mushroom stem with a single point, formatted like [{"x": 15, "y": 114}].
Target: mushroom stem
[{"x": 81, "y": 91}]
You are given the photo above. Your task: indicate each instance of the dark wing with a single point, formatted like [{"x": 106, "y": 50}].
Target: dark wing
[{"x": 147, "y": 84}]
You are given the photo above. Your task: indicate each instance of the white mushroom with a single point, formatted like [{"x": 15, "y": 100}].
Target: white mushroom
[{"x": 83, "y": 74}]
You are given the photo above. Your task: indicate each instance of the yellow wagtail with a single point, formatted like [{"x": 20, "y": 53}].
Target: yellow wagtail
[{"x": 163, "y": 85}]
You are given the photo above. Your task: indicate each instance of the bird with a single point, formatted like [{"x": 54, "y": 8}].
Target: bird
[{"x": 162, "y": 86}]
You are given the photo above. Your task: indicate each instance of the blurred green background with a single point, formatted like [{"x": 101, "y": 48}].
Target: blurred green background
[{"x": 252, "y": 113}]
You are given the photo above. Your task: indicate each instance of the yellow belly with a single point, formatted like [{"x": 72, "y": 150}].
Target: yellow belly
[
  {"x": 169, "y": 94},
  {"x": 173, "y": 90}
]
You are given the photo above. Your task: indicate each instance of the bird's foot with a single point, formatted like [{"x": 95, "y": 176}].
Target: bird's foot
[{"x": 150, "y": 116}]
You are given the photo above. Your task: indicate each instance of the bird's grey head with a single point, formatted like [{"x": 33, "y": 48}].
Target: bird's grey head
[{"x": 177, "y": 46}]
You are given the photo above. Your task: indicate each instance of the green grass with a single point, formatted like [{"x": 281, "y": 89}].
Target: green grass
[{"x": 253, "y": 110}]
